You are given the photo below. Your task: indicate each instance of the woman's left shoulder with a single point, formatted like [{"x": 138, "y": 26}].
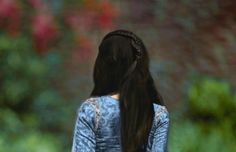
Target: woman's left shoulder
[
  {"x": 89, "y": 103},
  {"x": 161, "y": 113}
]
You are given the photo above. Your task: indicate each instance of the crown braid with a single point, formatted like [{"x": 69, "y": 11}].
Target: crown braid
[{"x": 135, "y": 41}]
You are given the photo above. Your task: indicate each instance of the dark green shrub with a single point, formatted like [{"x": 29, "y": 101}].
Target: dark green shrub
[{"x": 208, "y": 124}]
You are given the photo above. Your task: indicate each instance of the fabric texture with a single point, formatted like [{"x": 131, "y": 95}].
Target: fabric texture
[{"x": 97, "y": 127}]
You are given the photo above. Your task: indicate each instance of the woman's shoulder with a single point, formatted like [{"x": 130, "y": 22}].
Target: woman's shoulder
[
  {"x": 161, "y": 113},
  {"x": 98, "y": 102},
  {"x": 89, "y": 106},
  {"x": 89, "y": 109},
  {"x": 159, "y": 108},
  {"x": 88, "y": 103}
]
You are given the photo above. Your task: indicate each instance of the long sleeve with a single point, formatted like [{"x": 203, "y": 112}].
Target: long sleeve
[
  {"x": 84, "y": 131},
  {"x": 161, "y": 132}
]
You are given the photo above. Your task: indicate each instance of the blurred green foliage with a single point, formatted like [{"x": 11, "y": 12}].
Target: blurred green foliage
[
  {"x": 207, "y": 122},
  {"x": 29, "y": 141},
  {"x": 28, "y": 102}
]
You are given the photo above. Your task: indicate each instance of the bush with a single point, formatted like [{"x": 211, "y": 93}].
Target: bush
[{"x": 208, "y": 124}]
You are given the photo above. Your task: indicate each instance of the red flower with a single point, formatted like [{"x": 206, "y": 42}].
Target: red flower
[
  {"x": 83, "y": 17},
  {"x": 92, "y": 14},
  {"x": 10, "y": 14},
  {"x": 107, "y": 13},
  {"x": 44, "y": 31}
]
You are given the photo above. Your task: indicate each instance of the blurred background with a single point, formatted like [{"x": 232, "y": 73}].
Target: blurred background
[{"x": 48, "y": 49}]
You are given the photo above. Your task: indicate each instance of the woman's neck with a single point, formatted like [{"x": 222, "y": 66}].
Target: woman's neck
[{"x": 115, "y": 96}]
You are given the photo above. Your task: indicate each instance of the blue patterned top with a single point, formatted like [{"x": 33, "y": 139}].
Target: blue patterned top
[{"x": 97, "y": 127}]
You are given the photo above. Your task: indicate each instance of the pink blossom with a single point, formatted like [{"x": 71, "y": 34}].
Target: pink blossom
[
  {"x": 77, "y": 18},
  {"x": 107, "y": 13},
  {"x": 44, "y": 31},
  {"x": 10, "y": 14}
]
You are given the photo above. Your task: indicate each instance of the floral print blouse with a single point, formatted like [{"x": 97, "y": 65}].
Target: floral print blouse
[{"x": 97, "y": 127}]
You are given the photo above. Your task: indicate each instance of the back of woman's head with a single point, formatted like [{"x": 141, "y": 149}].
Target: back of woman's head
[{"x": 122, "y": 66}]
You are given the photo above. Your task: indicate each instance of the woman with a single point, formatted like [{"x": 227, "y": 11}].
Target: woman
[{"x": 124, "y": 112}]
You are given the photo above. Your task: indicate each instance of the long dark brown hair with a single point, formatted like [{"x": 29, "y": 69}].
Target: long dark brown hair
[{"x": 122, "y": 66}]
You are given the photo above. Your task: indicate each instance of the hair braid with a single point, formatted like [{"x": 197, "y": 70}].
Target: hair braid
[{"x": 135, "y": 41}]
